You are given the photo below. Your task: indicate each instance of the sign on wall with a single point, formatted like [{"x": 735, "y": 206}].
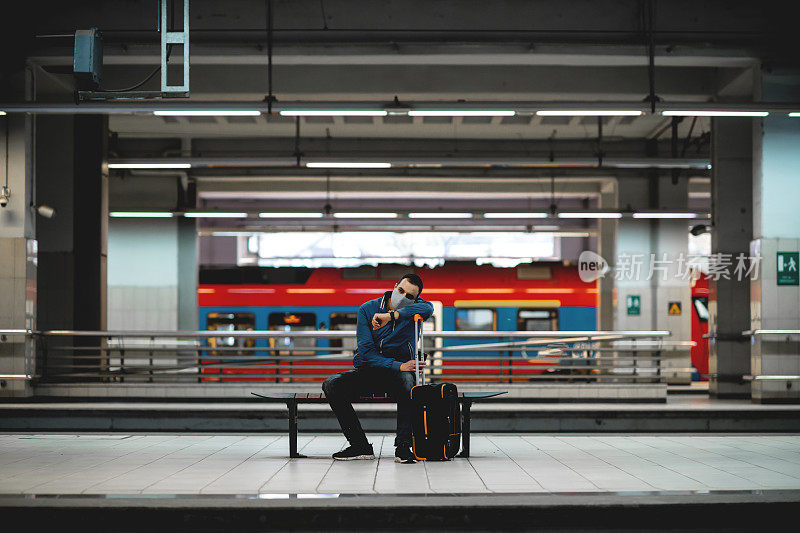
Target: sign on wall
[
  {"x": 674, "y": 308},
  {"x": 634, "y": 303},
  {"x": 788, "y": 268}
]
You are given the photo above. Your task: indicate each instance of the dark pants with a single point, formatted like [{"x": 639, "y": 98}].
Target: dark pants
[{"x": 342, "y": 389}]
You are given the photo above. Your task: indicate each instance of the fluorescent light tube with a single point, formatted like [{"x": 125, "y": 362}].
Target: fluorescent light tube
[
  {"x": 365, "y": 215},
  {"x": 2, "y": 113},
  {"x": 149, "y": 165},
  {"x": 142, "y": 214},
  {"x": 665, "y": 215},
  {"x": 461, "y": 113},
  {"x": 207, "y": 113},
  {"x": 440, "y": 215},
  {"x": 348, "y": 165},
  {"x": 792, "y": 114},
  {"x": 590, "y": 113},
  {"x": 708, "y": 113},
  {"x": 333, "y": 113},
  {"x": 515, "y": 215},
  {"x": 589, "y": 214},
  {"x": 211, "y": 214},
  {"x": 291, "y": 215}
]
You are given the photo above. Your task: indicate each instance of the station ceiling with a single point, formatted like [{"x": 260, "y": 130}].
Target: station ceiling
[{"x": 415, "y": 50}]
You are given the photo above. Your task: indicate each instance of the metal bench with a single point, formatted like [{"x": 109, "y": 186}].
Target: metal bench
[{"x": 292, "y": 399}]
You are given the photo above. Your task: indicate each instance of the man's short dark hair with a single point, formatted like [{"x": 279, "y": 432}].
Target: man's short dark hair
[{"x": 414, "y": 280}]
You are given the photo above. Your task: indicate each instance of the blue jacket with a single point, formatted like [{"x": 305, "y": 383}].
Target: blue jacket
[{"x": 392, "y": 344}]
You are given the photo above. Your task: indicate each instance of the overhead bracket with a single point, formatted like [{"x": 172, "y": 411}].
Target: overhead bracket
[{"x": 168, "y": 38}]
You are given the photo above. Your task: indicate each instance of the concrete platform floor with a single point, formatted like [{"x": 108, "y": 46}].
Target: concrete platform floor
[{"x": 70, "y": 464}]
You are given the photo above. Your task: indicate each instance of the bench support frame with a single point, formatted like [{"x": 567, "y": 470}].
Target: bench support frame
[{"x": 291, "y": 406}]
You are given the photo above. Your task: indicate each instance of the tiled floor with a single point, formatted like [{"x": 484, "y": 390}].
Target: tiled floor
[{"x": 239, "y": 464}]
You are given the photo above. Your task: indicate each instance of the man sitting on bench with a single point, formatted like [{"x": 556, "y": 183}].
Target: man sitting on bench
[{"x": 384, "y": 363}]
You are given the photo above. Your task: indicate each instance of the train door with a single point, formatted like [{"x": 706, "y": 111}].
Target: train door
[
  {"x": 535, "y": 320},
  {"x": 434, "y": 323},
  {"x": 471, "y": 363},
  {"x": 287, "y": 349},
  {"x": 699, "y": 353},
  {"x": 342, "y": 350},
  {"x": 343, "y": 322},
  {"x": 227, "y": 348}
]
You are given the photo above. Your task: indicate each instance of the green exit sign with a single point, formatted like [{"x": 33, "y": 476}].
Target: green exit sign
[
  {"x": 788, "y": 268},
  {"x": 634, "y": 302}
]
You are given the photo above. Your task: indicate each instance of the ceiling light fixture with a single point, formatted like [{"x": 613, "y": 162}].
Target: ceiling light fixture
[
  {"x": 710, "y": 113},
  {"x": 207, "y": 113},
  {"x": 212, "y": 214},
  {"x": 440, "y": 215},
  {"x": 590, "y": 113},
  {"x": 140, "y": 214},
  {"x": 149, "y": 165},
  {"x": 291, "y": 215},
  {"x": 365, "y": 215},
  {"x": 589, "y": 214},
  {"x": 515, "y": 215},
  {"x": 348, "y": 165},
  {"x": 667, "y": 215},
  {"x": 792, "y": 114},
  {"x": 461, "y": 113},
  {"x": 333, "y": 113}
]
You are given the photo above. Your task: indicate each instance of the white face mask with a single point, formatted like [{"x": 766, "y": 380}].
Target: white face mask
[{"x": 399, "y": 300}]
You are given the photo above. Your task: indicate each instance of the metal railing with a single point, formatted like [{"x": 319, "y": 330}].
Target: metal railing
[
  {"x": 302, "y": 356},
  {"x": 776, "y": 336}
]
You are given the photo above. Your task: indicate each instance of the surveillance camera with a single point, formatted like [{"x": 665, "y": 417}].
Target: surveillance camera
[
  {"x": 5, "y": 194},
  {"x": 46, "y": 211}
]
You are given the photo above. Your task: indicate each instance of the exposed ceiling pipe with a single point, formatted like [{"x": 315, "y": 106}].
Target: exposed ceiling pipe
[
  {"x": 147, "y": 107},
  {"x": 386, "y": 162}
]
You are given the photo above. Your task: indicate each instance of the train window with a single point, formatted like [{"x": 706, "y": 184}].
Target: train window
[
  {"x": 537, "y": 320},
  {"x": 292, "y": 322},
  {"x": 394, "y": 272},
  {"x": 362, "y": 272},
  {"x": 231, "y": 322},
  {"x": 344, "y": 322},
  {"x": 528, "y": 271},
  {"x": 701, "y": 307},
  {"x": 475, "y": 319}
]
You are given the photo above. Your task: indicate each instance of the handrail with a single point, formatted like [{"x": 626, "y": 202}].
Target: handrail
[
  {"x": 179, "y": 356},
  {"x": 758, "y": 332},
  {"x": 334, "y": 334}
]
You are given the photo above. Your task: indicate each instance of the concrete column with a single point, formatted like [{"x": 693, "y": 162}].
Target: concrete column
[
  {"x": 776, "y": 231},
  {"x": 606, "y": 248},
  {"x": 153, "y": 264},
  {"x": 660, "y": 243},
  {"x": 18, "y": 257},
  {"x": 187, "y": 274},
  {"x": 72, "y": 178},
  {"x": 732, "y": 231}
]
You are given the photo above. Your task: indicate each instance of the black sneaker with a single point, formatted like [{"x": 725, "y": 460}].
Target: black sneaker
[
  {"x": 404, "y": 455},
  {"x": 351, "y": 452}
]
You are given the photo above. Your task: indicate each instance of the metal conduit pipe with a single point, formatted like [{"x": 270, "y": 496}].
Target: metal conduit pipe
[{"x": 404, "y": 108}]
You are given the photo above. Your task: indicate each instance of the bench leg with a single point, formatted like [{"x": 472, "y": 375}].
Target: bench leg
[
  {"x": 465, "y": 420},
  {"x": 292, "y": 406}
]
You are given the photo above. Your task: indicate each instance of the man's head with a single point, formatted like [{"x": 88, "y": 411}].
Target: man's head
[{"x": 409, "y": 287}]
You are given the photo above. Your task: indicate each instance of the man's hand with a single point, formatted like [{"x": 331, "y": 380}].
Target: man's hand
[
  {"x": 408, "y": 366},
  {"x": 380, "y": 319}
]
